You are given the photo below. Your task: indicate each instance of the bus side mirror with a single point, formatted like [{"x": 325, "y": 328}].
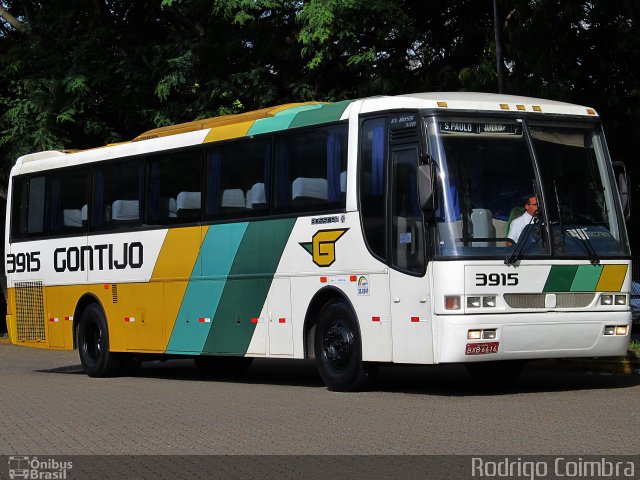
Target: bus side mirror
[
  {"x": 624, "y": 187},
  {"x": 426, "y": 186}
]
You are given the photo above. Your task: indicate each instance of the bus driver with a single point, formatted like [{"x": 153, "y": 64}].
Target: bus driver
[{"x": 519, "y": 223}]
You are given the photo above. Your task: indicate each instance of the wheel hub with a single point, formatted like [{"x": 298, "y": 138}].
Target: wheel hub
[{"x": 338, "y": 343}]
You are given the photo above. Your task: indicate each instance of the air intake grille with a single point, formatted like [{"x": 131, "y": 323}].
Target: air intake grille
[
  {"x": 30, "y": 312},
  {"x": 525, "y": 300},
  {"x": 537, "y": 300},
  {"x": 114, "y": 293},
  {"x": 574, "y": 300}
]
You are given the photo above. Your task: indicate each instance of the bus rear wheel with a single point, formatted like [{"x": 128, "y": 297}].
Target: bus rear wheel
[
  {"x": 338, "y": 350},
  {"x": 93, "y": 343}
]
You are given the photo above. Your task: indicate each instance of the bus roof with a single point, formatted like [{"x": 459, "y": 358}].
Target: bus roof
[
  {"x": 472, "y": 101},
  {"x": 293, "y": 115}
]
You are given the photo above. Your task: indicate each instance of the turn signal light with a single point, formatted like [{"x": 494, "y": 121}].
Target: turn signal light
[{"x": 452, "y": 302}]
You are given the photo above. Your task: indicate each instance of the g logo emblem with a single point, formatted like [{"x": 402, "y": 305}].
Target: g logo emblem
[{"x": 323, "y": 246}]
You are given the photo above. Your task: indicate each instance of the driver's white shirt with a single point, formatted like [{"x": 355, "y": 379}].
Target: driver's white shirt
[{"x": 518, "y": 224}]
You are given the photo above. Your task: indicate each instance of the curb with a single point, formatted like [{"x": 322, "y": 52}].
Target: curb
[{"x": 627, "y": 365}]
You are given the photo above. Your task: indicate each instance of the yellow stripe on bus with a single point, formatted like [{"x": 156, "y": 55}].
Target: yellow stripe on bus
[
  {"x": 174, "y": 267},
  {"x": 178, "y": 254},
  {"x": 226, "y": 132},
  {"x": 612, "y": 278}
]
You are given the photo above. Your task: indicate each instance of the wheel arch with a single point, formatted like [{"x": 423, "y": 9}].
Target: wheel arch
[
  {"x": 84, "y": 301},
  {"x": 321, "y": 298}
]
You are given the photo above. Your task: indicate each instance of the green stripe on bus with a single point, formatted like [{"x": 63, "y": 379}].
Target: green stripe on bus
[
  {"x": 586, "y": 278},
  {"x": 327, "y": 113},
  {"x": 560, "y": 278},
  {"x": 280, "y": 121},
  {"x": 202, "y": 296},
  {"x": 246, "y": 290}
]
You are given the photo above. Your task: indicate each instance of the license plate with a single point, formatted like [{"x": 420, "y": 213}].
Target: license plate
[{"x": 481, "y": 348}]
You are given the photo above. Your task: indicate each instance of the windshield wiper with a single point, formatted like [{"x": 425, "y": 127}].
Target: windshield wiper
[
  {"x": 522, "y": 241},
  {"x": 575, "y": 232}
]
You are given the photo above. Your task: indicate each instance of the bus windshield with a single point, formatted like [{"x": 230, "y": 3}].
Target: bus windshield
[{"x": 496, "y": 183}]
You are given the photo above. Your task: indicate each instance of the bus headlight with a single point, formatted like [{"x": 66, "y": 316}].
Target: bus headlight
[
  {"x": 474, "y": 334},
  {"x": 621, "y": 299},
  {"x": 489, "y": 301},
  {"x": 489, "y": 334},
  {"x": 621, "y": 330},
  {"x": 616, "y": 330},
  {"x": 473, "y": 302},
  {"x": 606, "y": 299}
]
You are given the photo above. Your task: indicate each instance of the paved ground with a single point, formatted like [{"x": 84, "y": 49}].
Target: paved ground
[{"x": 280, "y": 407}]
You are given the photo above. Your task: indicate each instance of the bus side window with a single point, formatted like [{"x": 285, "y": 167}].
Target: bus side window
[
  {"x": 28, "y": 207},
  {"x": 69, "y": 194},
  {"x": 311, "y": 169},
  {"x": 372, "y": 183},
  {"x": 116, "y": 195},
  {"x": 174, "y": 186},
  {"x": 237, "y": 179},
  {"x": 406, "y": 221}
]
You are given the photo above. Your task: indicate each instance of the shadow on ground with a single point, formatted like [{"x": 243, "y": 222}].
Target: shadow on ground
[{"x": 443, "y": 380}]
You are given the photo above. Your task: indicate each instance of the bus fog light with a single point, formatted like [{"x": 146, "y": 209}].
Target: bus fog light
[
  {"x": 606, "y": 299},
  {"x": 621, "y": 300},
  {"x": 474, "y": 334},
  {"x": 489, "y": 334},
  {"x": 621, "y": 330},
  {"x": 473, "y": 302},
  {"x": 452, "y": 302},
  {"x": 609, "y": 330},
  {"x": 489, "y": 301}
]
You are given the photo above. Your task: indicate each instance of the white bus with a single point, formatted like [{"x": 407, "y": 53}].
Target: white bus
[{"x": 356, "y": 233}]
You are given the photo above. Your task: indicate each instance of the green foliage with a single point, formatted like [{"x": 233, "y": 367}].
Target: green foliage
[{"x": 87, "y": 73}]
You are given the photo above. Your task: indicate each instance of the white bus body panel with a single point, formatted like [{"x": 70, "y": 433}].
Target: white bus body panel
[{"x": 523, "y": 333}]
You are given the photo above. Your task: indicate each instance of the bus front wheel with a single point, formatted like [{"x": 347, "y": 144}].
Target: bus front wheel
[
  {"x": 338, "y": 350},
  {"x": 93, "y": 343}
]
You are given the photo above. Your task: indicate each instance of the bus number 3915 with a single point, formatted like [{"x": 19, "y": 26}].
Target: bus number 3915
[
  {"x": 23, "y": 262},
  {"x": 495, "y": 279}
]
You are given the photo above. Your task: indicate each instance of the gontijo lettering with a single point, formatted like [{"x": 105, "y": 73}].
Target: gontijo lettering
[{"x": 98, "y": 257}]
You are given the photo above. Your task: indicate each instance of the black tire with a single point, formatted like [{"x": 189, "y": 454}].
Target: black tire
[
  {"x": 218, "y": 365},
  {"x": 93, "y": 343},
  {"x": 338, "y": 349},
  {"x": 495, "y": 374}
]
